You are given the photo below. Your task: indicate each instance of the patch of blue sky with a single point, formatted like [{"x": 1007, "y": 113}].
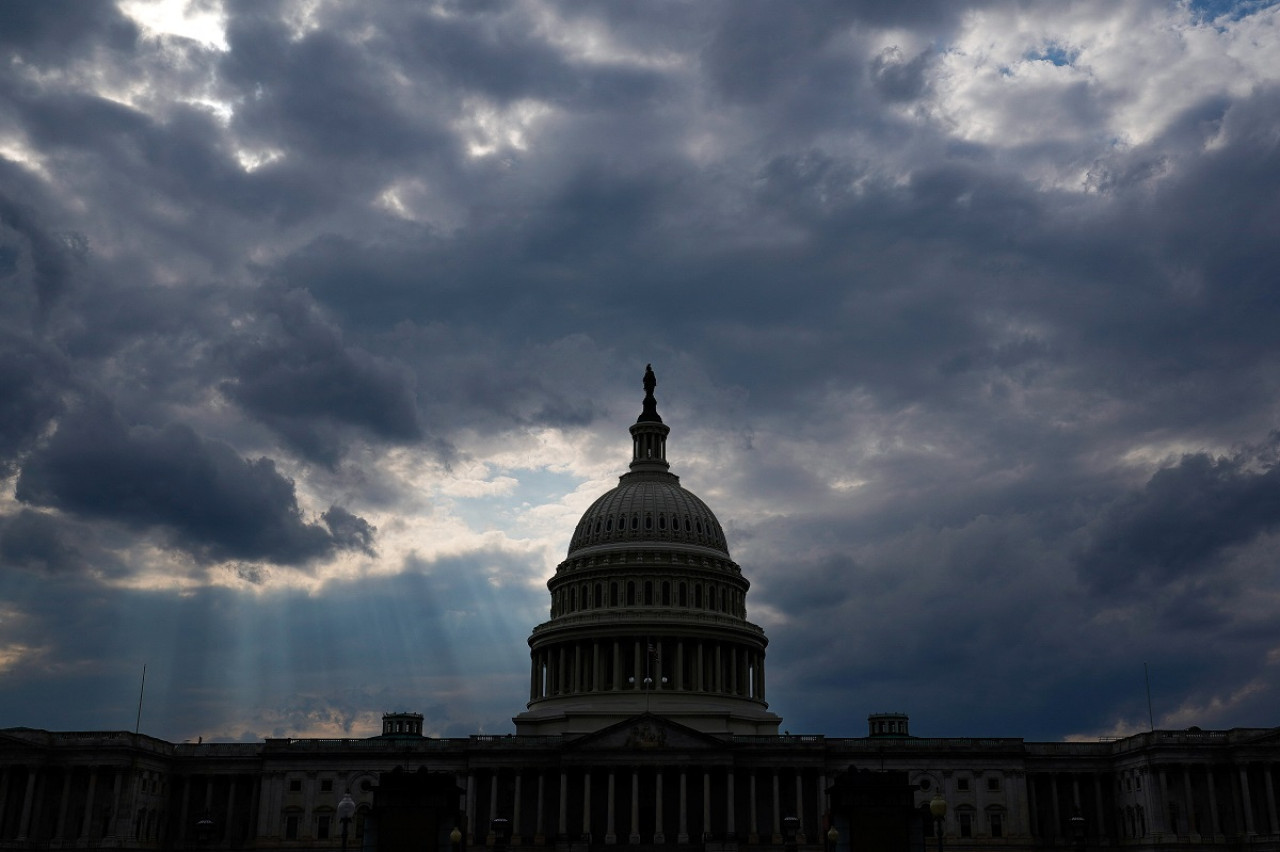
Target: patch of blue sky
[
  {"x": 532, "y": 488},
  {"x": 1210, "y": 11},
  {"x": 1058, "y": 54}
]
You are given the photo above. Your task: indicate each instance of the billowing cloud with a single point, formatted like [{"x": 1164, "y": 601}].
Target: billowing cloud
[
  {"x": 322, "y": 321},
  {"x": 212, "y": 502}
]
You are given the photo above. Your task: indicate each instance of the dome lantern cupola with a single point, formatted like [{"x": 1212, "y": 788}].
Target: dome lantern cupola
[{"x": 649, "y": 433}]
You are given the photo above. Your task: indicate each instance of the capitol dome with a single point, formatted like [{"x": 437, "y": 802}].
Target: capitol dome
[{"x": 648, "y": 612}]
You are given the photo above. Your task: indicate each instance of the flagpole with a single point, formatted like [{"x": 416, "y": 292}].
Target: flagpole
[{"x": 141, "y": 691}]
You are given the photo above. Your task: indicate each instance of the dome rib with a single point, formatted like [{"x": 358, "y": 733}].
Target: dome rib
[{"x": 649, "y": 508}]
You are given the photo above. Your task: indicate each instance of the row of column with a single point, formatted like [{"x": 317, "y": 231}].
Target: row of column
[
  {"x": 1051, "y": 818},
  {"x": 685, "y": 665},
  {"x": 1190, "y": 803},
  {"x": 1182, "y": 799},
  {"x": 27, "y": 792},
  {"x": 634, "y": 805}
]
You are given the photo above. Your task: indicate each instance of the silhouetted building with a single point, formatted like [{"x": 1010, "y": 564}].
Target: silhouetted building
[{"x": 647, "y": 727}]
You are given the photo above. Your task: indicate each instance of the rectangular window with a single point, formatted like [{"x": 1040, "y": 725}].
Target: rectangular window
[
  {"x": 966, "y": 823},
  {"x": 326, "y": 785},
  {"x": 322, "y": 828},
  {"x": 997, "y": 825},
  {"x": 993, "y": 785},
  {"x": 291, "y": 827},
  {"x": 962, "y": 784},
  {"x": 295, "y": 785}
]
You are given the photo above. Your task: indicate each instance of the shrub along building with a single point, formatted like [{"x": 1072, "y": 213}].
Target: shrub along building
[{"x": 647, "y": 727}]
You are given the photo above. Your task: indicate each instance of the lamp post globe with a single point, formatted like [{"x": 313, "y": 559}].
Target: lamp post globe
[
  {"x": 938, "y": 807},
  {"x": 346, "y": 809}
]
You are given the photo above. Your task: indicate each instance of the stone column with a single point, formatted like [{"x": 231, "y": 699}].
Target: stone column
[
  {"x": 1274, "y": 825},
  {"x": 753, "y": 823},
  {"x": 679, "y": 678},
  {"x": 683, "y": 835},
  {"x": 539, "y": 824},
  {"x": 1215, "y": 824},
  {"x": 586, "y": 803},
  {"x": 1101, "y": 829},
  {"x": 595, "y": 666},
  {"x": 60, "y": 830},
  {"x": 706, "y": 802},
  {"x": 471, "y": 808},
  {"x": 821, "y": 797},
  {"x": 516, "y": 834},
  {"x": 1190, "y": 800},
  {"x": 86, "y": 823},
  {"x": 1164, "y": 802},
  {"x": 610, "y": 826},
  {"x": 1034, "y": 828},
  {"x": 28, "y": 802},
  {"x": 800, "y": 833},
  {"x": 1057, "y": 809},
  {"x": 730, "y": 827},
  {"x": 777, "y": 807},
  {"x": 659, "y": 835},
  {"x": 1245, "y": 802},
  {"x": 231, "y": 809},
  {"x": 635, "y": 807},
  {"x": 562, "y": 825},
  {"x": 493, "y": 799},
  {"x": 115, "y": 804}
]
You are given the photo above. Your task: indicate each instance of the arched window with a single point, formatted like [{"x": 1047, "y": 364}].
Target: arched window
[
  {"x": 631, "y": 593},
  {"x": 666, "y": 593},
  {"x": 613, "y": 594},
  {"x": 648, "y": 593},
  {"x": 683, "y": 595}
]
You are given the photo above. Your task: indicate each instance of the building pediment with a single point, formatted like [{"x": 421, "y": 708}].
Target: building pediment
[{"x": 647, "y": 733}]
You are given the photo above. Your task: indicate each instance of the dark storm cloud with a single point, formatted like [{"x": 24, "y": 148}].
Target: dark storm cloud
[
  {"x": 33, "y": 257},
  {"x": 211, "y": 501},
  {"x": 349, "y": 531},
  {"x": 39, "y": 541},
  {"x": 33, "y": 380},
  {"x": 47, "y": 30},
  {"x": 1183, "y": 520},
  {"x": 296, "y": 374},
  {"x": 907, "y": 357}
]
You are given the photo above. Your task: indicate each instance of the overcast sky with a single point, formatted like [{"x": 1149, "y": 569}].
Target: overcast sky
[{"x": 321, "y": 323}]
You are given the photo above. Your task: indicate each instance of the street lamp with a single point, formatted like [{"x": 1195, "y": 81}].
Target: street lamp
[
  {"x": 455, "y": 839},
  {"x": 833, "y": 838},
  {"x": 1077, "y": 829},
  {"x": 346, "y": 809},
  {"x": 501, "y": 829},
  {"x": 938, "y": 807},
  {"x": 204, "y": 828},
  {"x": 790, "y": 833}
]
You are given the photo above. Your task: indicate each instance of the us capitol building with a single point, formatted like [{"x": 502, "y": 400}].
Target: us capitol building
[{"x": 647, "y": 728}]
